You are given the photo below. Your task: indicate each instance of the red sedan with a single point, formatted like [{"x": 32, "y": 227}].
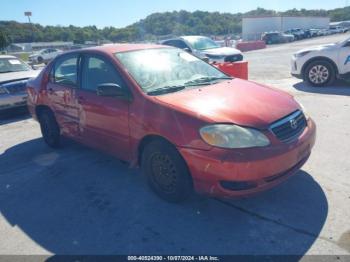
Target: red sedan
[{"x": 187, "y": 124}]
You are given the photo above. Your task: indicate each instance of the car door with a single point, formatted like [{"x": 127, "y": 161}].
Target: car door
[
  {"x": 104, "y": 121},
  {"x": 344, "y": 58},
  {"x": 63, "y": 81},
  {"x": 45, "y": 54}
]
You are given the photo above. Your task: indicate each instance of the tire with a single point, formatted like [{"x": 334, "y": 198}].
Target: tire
[
  {"x": 319, "y": 73},
  {"x": 40, "y": 60},
  {"x": 49, "y": 128},
  {"x": 166, "y": 171}
]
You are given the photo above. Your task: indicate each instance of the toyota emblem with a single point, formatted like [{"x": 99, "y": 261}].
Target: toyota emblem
[{"x": 293, "y": 124}]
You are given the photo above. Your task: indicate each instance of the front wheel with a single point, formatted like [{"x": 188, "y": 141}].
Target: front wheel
[
  {"x": 166, "y": 171},
  {"x": 319, "y": 73}
]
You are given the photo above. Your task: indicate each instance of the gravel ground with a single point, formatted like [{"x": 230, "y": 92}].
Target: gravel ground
[{"x": 79, "y": 201}]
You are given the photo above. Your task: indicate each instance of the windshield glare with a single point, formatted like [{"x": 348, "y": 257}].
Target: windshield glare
[
  {"x": 161, "y": 68},
  {"x": 8, "y": 65},
  {"x": 201, "y": 43}
]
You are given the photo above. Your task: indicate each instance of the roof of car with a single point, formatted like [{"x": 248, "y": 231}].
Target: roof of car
[
  {"x": 184, "y": 37},
  {"x": 118, "y": 48}
]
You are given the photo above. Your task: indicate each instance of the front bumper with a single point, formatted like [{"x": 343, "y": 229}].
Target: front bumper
[
  {"x": 296, "y": 65},
  {"x": 260, "y": 168},
  {"x": 8, "y": 101}
]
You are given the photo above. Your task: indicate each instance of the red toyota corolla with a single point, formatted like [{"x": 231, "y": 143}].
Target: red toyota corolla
[{"x": 187, "y": 124}]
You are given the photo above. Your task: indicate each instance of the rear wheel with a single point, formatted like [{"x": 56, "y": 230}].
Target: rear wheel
[
  {"x": 166, "y": 171},
  {"x": 49, "y": 128},
  {"x": 40, "y": 60},
  {"x": 319, "y": 73}
]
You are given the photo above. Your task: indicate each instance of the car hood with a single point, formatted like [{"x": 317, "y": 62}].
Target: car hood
[
  {"x": 8, "y": 77},
  {"x": 224, "y": 51},
  {"x": 319, "y": 48},
  {"x": 236, "y": 101}
]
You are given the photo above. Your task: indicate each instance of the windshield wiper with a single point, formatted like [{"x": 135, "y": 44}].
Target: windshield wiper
[
  {"x": 166, "y": 89},
  {"x": 206, "y": 80}
]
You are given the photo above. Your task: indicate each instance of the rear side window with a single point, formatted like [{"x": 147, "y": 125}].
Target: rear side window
[
  {"x": 97, "y": 71},
  {"x": 66, "y": 71},
  {"x": 177, "y": 43}
]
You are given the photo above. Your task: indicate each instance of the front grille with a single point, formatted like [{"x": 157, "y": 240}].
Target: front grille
[
  {"x": 16, "y": 87},
  {"x": 289, "y": 127},
  {"x": 234, "y": 58}
]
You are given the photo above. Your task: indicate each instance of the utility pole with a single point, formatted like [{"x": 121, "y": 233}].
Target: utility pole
[{"x": 29, "y": 14}]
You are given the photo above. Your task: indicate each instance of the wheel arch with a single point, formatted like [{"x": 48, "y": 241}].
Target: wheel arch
[
  {"x": 40, "y": 108},
  {"x": 145, "y": 141},
  {"x": 320, "y": 58}
]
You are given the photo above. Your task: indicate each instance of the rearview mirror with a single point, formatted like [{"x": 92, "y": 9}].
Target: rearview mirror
[
  {"x": 111, "y": 90},
  {"x": 187, "y": 50}
]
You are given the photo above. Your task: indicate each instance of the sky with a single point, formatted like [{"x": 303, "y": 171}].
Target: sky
[{"x": 122, "y": 13}]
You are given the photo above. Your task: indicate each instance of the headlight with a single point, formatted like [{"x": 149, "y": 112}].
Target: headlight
[
  {"x": 3, "y": 90},
  {"x": 302, "y": 54},
  {"x": 232, "y": 136}
]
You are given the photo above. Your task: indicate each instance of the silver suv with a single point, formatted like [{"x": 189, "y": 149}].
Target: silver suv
[{"x": 205, "y": 48}]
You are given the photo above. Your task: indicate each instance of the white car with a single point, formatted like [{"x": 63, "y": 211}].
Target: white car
[
  {"x": 321, "y": 65},
  {"x": 205, "y": 48},
  {"x": 14, "y": 74},
  {"x": 44, "y": 55}
]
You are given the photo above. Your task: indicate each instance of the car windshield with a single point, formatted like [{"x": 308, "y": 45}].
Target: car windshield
[
  {"x": 201, "y": 43},
  {"x": 10, "y": 64},
  {"x": 168, "y": 70}
]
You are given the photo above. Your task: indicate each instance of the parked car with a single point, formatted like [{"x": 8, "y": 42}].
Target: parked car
[
  {"x": 205, "y": 48},
  {"x": 44, "y": 55},
  {"x": 327, "y": 32},
  {"x": 187, "y": 124},
  {"x": 14, "y": 74},
  {"x": 276, "y": 38},
  {"x": 307, "y": 33},
  {"x": 297, "y": 32},
  {"x": 314, "y": 32},
  {"x": 321, "y": 65},
  {"x": 337, "y": 29}
]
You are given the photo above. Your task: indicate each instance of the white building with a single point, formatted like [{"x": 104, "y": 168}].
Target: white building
[{"x": 253, "y": 27}]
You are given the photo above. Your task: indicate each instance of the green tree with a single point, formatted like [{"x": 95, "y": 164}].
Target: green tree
[{"x": 4, "y": 42}]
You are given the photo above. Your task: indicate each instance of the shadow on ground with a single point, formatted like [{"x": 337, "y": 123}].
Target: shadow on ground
[
  {"x": 13, "y": 115},
  {"x": 340, "y": 87},
  {"x": 79, "y": 201}
]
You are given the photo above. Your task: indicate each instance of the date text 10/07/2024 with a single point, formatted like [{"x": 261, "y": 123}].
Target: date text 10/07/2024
[{"x": 173, "y": 258}]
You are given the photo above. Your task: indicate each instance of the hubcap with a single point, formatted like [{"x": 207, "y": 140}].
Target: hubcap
[
  {"x": 164, "y": 172},
  {"x": 319, "y": 74}
]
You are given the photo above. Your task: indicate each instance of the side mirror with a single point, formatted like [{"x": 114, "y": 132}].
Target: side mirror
[
  {"x": 187, "y": 50},
  {"x": 347, "y": 44},
  {"x": 111, "y": 90},
  {"x": 205, "y": 59}
]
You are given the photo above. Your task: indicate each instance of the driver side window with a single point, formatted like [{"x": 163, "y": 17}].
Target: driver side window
[{"x": 97, "y": 71}]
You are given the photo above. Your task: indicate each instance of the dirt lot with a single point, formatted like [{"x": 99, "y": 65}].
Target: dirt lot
[{"x": 78, "y": 201}]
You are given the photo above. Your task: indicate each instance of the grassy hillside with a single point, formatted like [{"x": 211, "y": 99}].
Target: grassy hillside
[{"x": 154, "y": 26}]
